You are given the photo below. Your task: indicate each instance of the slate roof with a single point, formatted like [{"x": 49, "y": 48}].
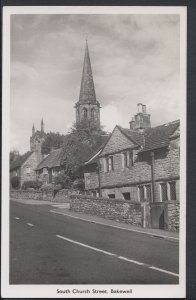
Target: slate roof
[
  {"x": 153, "y": 138},
  {"x": 52, "y": 160},
  {"x": 158, "y": 137},
  {"x": 18, "y": 162},
  {"x": 136, "y": 137}
]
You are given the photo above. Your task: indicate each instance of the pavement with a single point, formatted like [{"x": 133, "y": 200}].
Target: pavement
[{"x": 48, "y": 247}]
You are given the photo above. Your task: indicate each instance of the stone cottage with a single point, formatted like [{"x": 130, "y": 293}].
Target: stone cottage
[
  {"x": 50, "y": 166},
  {"x": 138, "y": 164}
]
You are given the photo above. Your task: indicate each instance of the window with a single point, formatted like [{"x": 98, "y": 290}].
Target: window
[
  {"x": 141, "y": 193},
  {"x": 127, "y": 159},
  {"x": 94, "y": 193},
  {"x": 84, "y": 113},
  {"x": 127, "y": 196},
  {"x": 145, "y": 193},
  {"x": 28, "y": 170},
  {"x": 164, "y": 194},
  {"x": 172, "y": 186},
  {"x": 93, "y": 114},
  {"x": 45, "y": 171},
  {"x": 112, "y": 196},
  {"x": 148, "y": 192},
  {"x": 109, "y": 163}
]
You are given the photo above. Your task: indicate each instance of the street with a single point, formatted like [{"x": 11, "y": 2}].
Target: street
[{"x": 48, "y": 248}]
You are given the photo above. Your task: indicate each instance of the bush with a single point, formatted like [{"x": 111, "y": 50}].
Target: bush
[
  {"x": 63, "y": 180},
  {"x": 79, "y": 184},
  {"x": 48, "y": 187},
  {"x": 15, "y": 182},
  {"x": 33, "y": 184}
]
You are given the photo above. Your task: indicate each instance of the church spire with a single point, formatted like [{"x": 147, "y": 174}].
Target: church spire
[
  {"x": 33, "y": 129},
  {"x": 42, "y": 125},
  {"x": 87, "y": 89}
]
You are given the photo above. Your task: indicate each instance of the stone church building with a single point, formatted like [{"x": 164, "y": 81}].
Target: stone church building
[{"x": 25, "y": 166}]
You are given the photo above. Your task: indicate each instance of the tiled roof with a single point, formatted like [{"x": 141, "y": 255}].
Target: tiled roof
[
  {"x": 158, "y": 137},
  {"x": 18, "y": 162},
  {"x": 52, "y": 160},
  {"x": 135, "y": 136}
]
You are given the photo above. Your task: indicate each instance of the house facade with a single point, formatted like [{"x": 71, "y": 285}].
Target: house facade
[
  {"x": 138, "y": 164},
  {"x": 50, "y": 166},
  {"x": 24, "y": 167}
]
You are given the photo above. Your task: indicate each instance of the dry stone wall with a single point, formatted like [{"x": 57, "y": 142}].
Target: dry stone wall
[{"x": 118, "y": 210}]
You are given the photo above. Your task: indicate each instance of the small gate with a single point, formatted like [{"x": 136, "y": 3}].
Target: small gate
[{"x": 158, "y": 215}]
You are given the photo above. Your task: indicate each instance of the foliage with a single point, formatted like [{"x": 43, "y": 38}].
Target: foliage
[
  {"x": 15, "y": 182},
  {"x": 35, "y": 184},
  {"x": 14, "y": 154},
  {"x": 48, "y": 187},
  {"x": 79, "y": 145},
  {"x": 63, "y": 180},
  {"x": 53, "y": 141},
  {"x": 79, "y": 184}
]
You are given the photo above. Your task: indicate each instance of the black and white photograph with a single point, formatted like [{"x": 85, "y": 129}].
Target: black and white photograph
[{"x": 93, "y": 152}]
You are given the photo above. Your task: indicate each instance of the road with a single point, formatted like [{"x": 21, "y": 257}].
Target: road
[{"x": 47, "y": 248}]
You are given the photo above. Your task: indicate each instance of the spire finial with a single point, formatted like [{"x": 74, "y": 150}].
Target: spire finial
[{"x": 33, "y": 129}]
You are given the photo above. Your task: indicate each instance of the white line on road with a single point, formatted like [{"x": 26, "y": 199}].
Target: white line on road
[
  {"x": 17, "y": 218},
  {"x": 119, "y": 257},
  {"x": 118, "y": 227},
  {"x": 30, "y": 224}
]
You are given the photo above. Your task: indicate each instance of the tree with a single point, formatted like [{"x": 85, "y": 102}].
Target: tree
[
  {"x": 14, "y": 154},
  {"x": 53, "y": 141},
  {"x": 79, "y": 145},
  {"x": 63, "y": 180},
  {"x": 15, "y": 182}
]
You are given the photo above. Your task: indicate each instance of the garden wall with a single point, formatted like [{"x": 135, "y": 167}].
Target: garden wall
[
  {"x": 113, "y": 209},
  {"x": 63, "y": 196}
]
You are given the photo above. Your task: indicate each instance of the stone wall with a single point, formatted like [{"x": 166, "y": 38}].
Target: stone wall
[
  {"x": 63, "y": 196},
  {"x": 27, "y": 195},
  {"x": 118, "y": 210},
  {"x": 173, "y": 215}
]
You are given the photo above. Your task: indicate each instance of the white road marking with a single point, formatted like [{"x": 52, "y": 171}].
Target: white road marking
[
  {"x": 30, "y": 224},
  {"x": 17, "y": 218},
  {"x": 84, "y": 245},
  {"x": 118, "y": 227},
  {"x": 164, "y": 271},
  {"x": 131, "y": 260},
  {"x": 66, "y": 205},
  {"x": 117, "y": 256}
]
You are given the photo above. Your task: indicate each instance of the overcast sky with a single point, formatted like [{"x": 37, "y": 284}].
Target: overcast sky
[{"x": 135, "y": 58}]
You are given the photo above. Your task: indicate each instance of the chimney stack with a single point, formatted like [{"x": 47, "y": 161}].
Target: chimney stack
[{"x": 141, "y": 120}]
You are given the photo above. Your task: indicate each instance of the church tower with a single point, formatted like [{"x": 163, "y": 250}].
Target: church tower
[
  {"x": 87, "y": 108},
  {"x": 36, "y": 141}
]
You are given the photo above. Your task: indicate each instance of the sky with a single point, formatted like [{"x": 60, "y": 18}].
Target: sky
[{"x": 134, "y": 58}]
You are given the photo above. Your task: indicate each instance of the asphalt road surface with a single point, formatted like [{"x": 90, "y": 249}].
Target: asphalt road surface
[{"x": 47, "y": 248}]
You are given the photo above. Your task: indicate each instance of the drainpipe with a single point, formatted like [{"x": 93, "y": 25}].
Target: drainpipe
[
  {"x": 99, "y": 177},
  {"x": 152, "y": 174}
]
